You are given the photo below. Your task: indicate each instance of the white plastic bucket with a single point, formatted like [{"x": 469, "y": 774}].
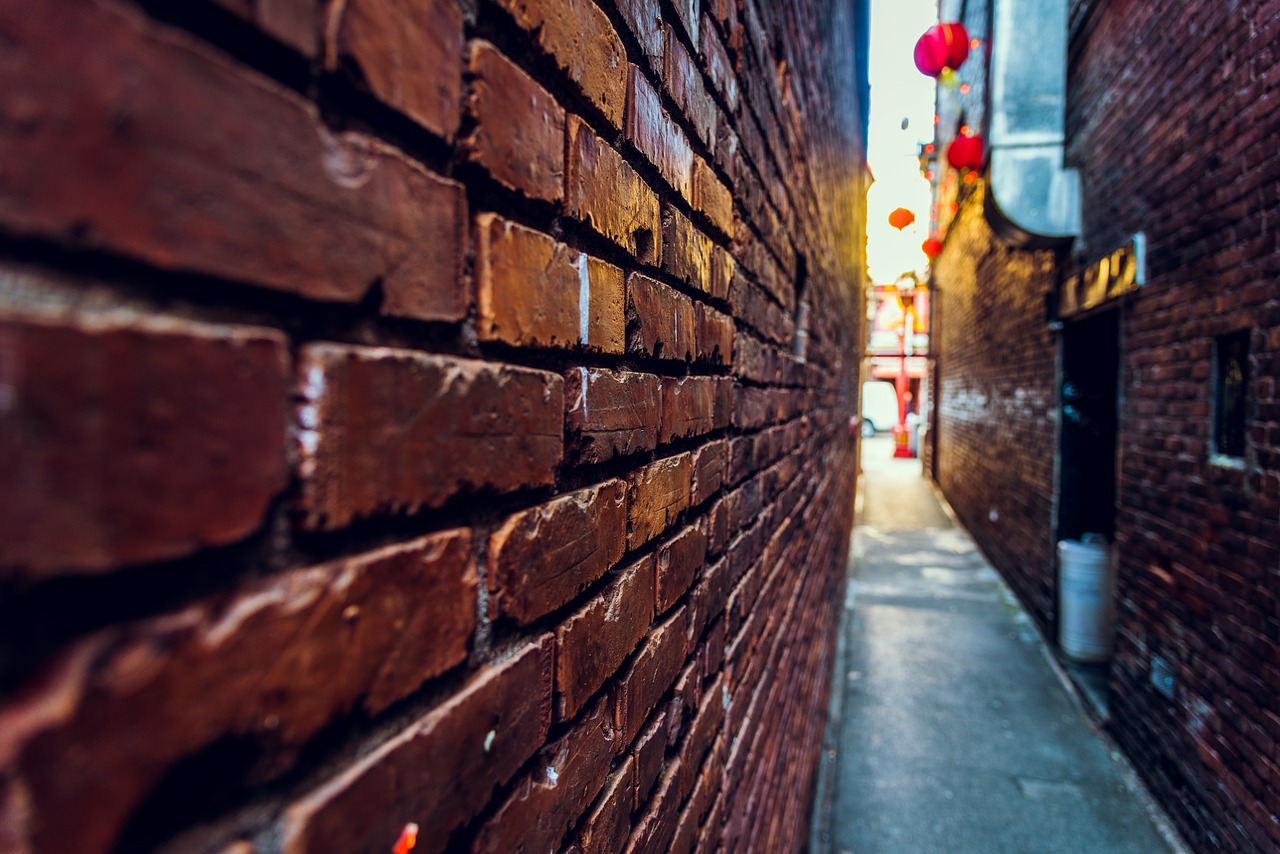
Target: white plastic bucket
[{"x": 1086, "y": 591}]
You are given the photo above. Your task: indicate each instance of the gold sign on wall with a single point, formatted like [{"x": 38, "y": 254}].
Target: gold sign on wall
[{"x": 1119, "y": 273}]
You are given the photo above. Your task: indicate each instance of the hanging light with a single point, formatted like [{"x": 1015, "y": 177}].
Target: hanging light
[
  {"x": 900, "y": 218},
  {"x": 966, "y": 152},
  {"x": 941, "y": 50},
  {"x": 932, "y": 247}
]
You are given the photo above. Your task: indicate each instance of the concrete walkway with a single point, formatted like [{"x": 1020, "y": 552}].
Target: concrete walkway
[{"x": 955, "y": 733}]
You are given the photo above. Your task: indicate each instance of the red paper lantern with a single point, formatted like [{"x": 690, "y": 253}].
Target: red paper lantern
[
  {"x": 900, "y": 218},
  {"x": 932, "y": 247},
  {"x": 966, "y": 152},
  {"x": 943, "y": 47}
]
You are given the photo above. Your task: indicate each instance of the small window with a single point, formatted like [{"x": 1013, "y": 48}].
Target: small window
[{"x": 1230, "y": 395}]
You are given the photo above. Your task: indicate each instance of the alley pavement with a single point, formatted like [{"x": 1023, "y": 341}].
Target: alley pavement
[{"x": 953, "y": 732}]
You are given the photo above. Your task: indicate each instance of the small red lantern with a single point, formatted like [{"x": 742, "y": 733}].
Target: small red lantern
[
  {"x": 966, "y": 152},
  {"x": 932, "y": 247},
  {"x": 943, "y": 48},
  {"x": 900, "y": 218}
]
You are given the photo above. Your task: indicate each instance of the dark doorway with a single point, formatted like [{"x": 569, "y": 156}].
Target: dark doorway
[
  {"x": 1090, "y": 377},
  {"x": 1087, "y": 468}
]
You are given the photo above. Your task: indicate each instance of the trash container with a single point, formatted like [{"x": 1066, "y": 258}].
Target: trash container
[{"x": 1086, "y": 595}]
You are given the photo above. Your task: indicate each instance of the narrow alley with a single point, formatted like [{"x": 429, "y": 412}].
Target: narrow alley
[
  {"x": 955, "y": 732},
  {"x": 432, "y": 426}
]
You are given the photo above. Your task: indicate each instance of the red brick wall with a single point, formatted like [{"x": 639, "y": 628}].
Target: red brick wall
[
  {"x": 399, "y": 421},
  {"x": 996, "y": 396},
  {"x": 1183, "y": 153}
]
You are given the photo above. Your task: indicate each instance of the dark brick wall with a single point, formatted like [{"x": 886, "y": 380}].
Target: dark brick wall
[
  {"x": 400, "y": 421},
  {"x": 996, "y": 400},
  {"x": 1178, "y": 152},
  {"x": 1181, "y": 152}
]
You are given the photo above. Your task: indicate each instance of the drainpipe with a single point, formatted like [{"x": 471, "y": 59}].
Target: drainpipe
[{"x": 1035, "y": 201}]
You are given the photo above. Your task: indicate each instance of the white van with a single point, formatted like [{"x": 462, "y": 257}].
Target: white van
[{"x": 879, "y": 407}]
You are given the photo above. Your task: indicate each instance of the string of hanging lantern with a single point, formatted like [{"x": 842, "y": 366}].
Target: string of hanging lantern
[{"x": 939, "y": 53}]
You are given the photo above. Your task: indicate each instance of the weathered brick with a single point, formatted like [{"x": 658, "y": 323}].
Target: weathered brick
[
  {"x": 594, "y": 642},
  {"x": 542, "y": 557},
  {"x": 687, "y": 15},
  {"x": 655, "y": 667},
  {"x": 753, "y": 408},
  {"x": 712, "y": 198},
  {"x": 683, "y": 82},
  {"x": 718, "y": 65},
  {"x": 659, "y": 320},
  {"x": 482, "y": 734},
  {"x": 656, "y": 495},
  {"x": 644, "y": 19},
  {"x": 713, "y": 335},
  {"x": 603, "y": 190},
  {"x": 656, "y": 136},
  {"x": 718, "y": 526},
  {"x": 579, "y": 37},
  {"x": 299, "y": 209},
  {"x": 604, "y": 830},
  {"x": 688, "y": 407},
  {"x": 127, "y": 439},
  {"x": 602, "y": 298},
  {"x": 709, "y": 836},
  {"x": 654, "y": 830},
  {"x": 706, "y": 725},
  {"x": 754, "y": 360},
  {"x": 293, "y": 22},
  {"x": 408, "y": 54},
  {"x": 686, "y": 252},
  {"x": 722, "y": 267},
  {"x": 751, "y": 306},
  {"x": 277, "y": 663},
  {"x": 527, "y": 285},
  {"x": 728, "y": 154},
  {"x": 567, "y": 774},
  {"x": 519, "y": 128},
  {"x": 683, "y": 703},
  {"x": 678, "y": 563},
  {"x": 386, "y": 430},
  {"x": 709, "y": 465},
  {"x": 706, "y": 786},
  {"x": 648, "y": 753},
  {"x": 610, "y": 413},
  {"x": 741, "y": 462}
]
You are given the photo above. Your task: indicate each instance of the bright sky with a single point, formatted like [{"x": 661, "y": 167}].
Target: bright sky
[{"x": 898, "y": 91}]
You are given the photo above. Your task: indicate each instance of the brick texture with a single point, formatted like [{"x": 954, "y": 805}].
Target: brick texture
[
  {"x": 407, "y": 54},
  {"x": 464, "y": 424},
  {"x": 399, "y": 421},
  {"x": 541, "y": 558},
  {"x": 611, "y": 413},
  {"x": 519, "y": 128},
  {"x": 1197, "y": 542},
  {"x": 301, "y": 209},
  {"x": 1195, "y": 537},
  {"x": 483, "y": 734},
  {"x": 129, "y": 442},
  {"x": 605, "y": 191},
  {"x": 286, "y": 656},
  {"x": 996, "y": 409}
]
